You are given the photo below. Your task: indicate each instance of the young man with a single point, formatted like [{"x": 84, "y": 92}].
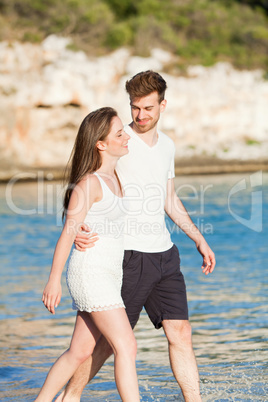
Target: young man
[{"x": 151, "y": 268}]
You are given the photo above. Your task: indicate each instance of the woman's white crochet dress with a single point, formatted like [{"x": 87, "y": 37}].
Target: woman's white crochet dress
[{"x": 94, "y": 277}]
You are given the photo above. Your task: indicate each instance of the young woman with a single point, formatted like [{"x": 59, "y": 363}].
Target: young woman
[{"x": 94, "y": 277}]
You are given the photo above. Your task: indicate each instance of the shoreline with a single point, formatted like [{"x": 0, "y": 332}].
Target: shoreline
[
  {"x": 188, "y": 167},
  {"x": 211, "y": 165}
]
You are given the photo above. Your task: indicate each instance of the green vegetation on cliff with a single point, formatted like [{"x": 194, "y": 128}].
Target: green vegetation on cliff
[{"x": 199, "y": 31}]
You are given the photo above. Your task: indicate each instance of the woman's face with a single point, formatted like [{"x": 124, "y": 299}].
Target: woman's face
[{"x": 116, "y": 143}]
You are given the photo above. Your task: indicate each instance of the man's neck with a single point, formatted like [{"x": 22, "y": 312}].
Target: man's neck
[{"x": 150, "y": 137}]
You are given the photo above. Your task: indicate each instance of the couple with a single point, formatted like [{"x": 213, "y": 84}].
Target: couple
[{"x": 137, "y": 194}]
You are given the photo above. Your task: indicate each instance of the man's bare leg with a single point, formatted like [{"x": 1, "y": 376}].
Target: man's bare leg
[
  {"x": 182, "y": 358},
  {"x": 86, "y": 372}
]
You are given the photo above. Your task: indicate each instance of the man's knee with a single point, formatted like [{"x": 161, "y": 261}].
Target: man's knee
[
  {"x": 103, "y": 349},
  {"x": 106, "y": 350},
  {"x": 178, "y": 332}
]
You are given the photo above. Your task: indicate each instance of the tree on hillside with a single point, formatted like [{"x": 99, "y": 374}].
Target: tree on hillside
[
  {"x": 197, "y": 31},
  {"x": 256, "y": 3}
]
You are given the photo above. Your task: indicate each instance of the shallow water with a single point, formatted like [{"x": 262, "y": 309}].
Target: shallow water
[{"x": 228, "y": 310}]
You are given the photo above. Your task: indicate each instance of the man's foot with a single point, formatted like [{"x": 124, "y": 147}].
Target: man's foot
[
  {"x": 60, "y": 397},
  {"x": 67, "y": 398}
]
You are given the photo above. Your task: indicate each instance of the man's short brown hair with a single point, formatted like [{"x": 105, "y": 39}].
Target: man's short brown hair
[{"x": 144, "y": 83}]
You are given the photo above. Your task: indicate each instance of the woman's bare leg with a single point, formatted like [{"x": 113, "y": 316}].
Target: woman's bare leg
[
  {"x": 84, "y": 339},
  {"x": 114, "y": 325},
  {"x": 85, "y": 372}
]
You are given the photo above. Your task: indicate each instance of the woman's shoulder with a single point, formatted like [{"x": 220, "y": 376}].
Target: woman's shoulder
[
  {"x": 90, "y": 184},
  {"x": 89, "y": 178}
]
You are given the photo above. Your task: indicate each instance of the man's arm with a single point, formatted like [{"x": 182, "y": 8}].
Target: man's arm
[
  {"x": 177, "y": 212},
  {"x": 85, "y": 238}
]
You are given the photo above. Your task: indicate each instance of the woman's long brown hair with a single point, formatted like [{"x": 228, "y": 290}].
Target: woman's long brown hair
[{"x": 85, "y": 157}]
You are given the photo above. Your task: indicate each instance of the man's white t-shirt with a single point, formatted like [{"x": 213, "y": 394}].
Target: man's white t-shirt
[{"x": 144, "y": 174}]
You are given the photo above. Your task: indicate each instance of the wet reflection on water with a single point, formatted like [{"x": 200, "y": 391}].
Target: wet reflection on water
[{"x": 228, "y": 310}]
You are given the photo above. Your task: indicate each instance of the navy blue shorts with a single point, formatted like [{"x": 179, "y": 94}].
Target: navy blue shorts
[{"x": 154, "y": 281}]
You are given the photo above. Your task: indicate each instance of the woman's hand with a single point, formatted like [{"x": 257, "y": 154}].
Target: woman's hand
[{"x": 52, "y": 295}]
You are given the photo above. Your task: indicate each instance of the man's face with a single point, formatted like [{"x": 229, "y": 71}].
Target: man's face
[{"x": 146, "y": 111}]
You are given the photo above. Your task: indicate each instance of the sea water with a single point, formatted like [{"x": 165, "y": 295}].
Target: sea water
[{"x": 228, "y": 309}]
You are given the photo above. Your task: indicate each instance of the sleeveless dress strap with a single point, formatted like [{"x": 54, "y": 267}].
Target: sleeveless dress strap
[{"x": 105, "y": 188}]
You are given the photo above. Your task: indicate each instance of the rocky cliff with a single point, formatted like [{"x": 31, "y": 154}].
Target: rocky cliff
[{"x": 213, "y": 114}]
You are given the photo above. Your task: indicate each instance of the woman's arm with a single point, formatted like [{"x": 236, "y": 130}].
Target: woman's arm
[{"x": 84, "y": 194}]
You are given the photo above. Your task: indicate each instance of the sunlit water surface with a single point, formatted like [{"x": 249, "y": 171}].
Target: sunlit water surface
[{"x": 228, "y": 310}]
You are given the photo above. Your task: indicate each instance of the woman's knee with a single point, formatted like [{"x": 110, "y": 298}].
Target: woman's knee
[
  {"x": 80, "y": 354},
  {"x": 127, "y": 347},
  {"x": 132, "y": 346}
]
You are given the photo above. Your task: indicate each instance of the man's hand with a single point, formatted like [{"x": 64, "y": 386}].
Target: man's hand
[
  {"x": 85, "y": 239},
  {"x": 52, "y": 295},
  {"x": 209, "y": 260}
]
